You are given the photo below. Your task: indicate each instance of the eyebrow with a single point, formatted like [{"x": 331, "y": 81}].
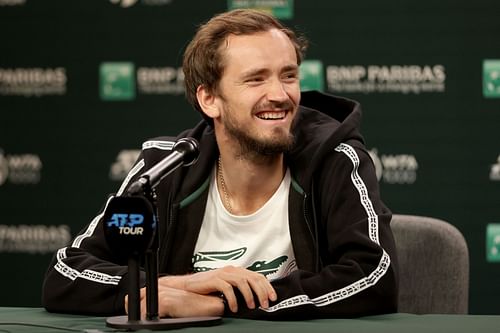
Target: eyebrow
[{"x": 261, "y": 71}]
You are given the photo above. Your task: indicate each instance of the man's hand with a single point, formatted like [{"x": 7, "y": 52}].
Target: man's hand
[
  {"x": 223, "y": 280},
  {"x": 176, "y": 303}
]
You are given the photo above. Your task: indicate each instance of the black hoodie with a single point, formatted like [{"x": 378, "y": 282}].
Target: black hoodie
[{"x": 339, "y": 226}]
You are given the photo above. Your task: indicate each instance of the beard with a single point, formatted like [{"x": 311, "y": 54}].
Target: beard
[{"x": 251, "y": 144}]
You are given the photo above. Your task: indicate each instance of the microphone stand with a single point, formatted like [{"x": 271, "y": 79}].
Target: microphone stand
[
  {"x": 151, "y": 256},
  {"x": 152, "y": 321}
]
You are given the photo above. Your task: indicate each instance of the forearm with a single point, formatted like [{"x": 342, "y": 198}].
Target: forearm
[
  {"x": 254, "y": 288},
  {"x": 79, "y": 283},
  {"x": 174, "y": 281},
  {"x": 175, "y": 303},
  {"x": 192, "y": 304}
]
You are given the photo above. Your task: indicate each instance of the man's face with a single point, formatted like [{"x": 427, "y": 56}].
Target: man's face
[{"x": 259, "y": 92}]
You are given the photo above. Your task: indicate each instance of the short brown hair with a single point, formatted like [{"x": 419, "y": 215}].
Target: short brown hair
[{"x": 203, "y": 60}]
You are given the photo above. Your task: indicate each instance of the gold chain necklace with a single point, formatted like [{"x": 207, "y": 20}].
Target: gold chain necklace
[{"x": 223, "y": 187}]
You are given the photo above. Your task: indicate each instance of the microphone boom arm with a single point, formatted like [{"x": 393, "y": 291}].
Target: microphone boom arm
[{"x": 184, "y": 153}]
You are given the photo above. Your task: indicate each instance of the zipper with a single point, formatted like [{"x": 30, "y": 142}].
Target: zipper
[
  {"x": 166, "y": 238},
  {"x": 314, "y": 235}
]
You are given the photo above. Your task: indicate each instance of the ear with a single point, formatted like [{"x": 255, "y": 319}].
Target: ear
[{"x": 207, "y": 101}]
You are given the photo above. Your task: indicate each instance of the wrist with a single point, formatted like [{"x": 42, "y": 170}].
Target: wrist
[{"x": 173, "y": 281}]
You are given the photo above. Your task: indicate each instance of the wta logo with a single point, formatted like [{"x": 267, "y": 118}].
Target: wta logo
[
  {"x": 395, "y": 168},
  {"x": 20, "y": 169}
]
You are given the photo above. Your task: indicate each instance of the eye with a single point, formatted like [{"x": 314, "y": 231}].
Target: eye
[
  {"x": 291, "y": 76},
  {"x": 255, "y": 79}
]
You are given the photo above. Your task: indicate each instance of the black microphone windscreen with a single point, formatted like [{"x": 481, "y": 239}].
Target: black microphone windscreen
[{"x": 129, "y": 224}]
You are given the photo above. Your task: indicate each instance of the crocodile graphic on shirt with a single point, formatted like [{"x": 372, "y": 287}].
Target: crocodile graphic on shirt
[
  {"x": 259, "y": 266},
  {"x": 219, "y": 255},
  {"x": 269, "y": 267}
]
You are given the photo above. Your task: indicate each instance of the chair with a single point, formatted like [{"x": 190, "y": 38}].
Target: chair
[{"x": 433, "y": 266}]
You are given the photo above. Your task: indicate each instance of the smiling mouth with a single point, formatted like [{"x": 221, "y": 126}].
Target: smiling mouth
[{"x": 271, "y": 115}]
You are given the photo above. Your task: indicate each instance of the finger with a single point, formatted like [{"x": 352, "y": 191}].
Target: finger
[
  {"x": 142, "y": 296},
  {"x": 270, "y": 291},
  {"x": 163, "y": 303},
  {"x": 228, "y": 292},
  {"x": 268, "y": 287},
  {"x": 262, "y": 289},
  {"x": 244, "y": 287},
  {"x": 143, "y": 308}
]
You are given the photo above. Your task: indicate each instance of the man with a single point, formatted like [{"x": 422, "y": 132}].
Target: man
[{"x": 281, "y": 214}]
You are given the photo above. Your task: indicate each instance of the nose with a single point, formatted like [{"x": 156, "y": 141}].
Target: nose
[{"x": 277, "y": 91}]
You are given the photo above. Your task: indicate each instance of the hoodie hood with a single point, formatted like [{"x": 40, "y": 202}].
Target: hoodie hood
[{"x": 322, "y": 123}]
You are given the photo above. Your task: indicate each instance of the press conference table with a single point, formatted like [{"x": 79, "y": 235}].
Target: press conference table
[{"x": 38, "y": 320}]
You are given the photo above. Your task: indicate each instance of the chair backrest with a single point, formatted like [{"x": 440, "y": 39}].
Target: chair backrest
[{"x": 433, "y": 265}]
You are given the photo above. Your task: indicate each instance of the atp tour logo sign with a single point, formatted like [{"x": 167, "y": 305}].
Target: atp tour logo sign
[
  {"x": 127, "y": 224},
  {"x": 395, "y": 168}
]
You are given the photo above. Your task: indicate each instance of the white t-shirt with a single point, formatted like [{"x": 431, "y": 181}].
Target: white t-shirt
[{"x": 259, "y": 242}]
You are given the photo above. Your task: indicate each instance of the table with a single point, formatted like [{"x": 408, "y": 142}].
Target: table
[{"x": 391, "y": 323}]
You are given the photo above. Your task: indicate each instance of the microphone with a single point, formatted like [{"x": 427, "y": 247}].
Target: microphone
[
  {"x": 129, "y": 225},
  {"x": 184, "y": 153},
  {"x": 130, "y": 229}
]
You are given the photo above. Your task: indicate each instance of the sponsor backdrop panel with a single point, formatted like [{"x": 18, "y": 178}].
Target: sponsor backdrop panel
[{"x": 83, "y": 84}]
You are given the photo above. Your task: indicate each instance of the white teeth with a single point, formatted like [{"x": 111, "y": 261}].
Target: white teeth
[{"x": 271, "y": 115}]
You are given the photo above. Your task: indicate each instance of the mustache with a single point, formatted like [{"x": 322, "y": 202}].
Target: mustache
[{"x": 284, "y": 105}]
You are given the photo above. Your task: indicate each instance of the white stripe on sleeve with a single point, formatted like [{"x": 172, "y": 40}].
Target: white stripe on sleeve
[
  {"x": 92, "y": 275},
  {"x": 373, "y": 277}
]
